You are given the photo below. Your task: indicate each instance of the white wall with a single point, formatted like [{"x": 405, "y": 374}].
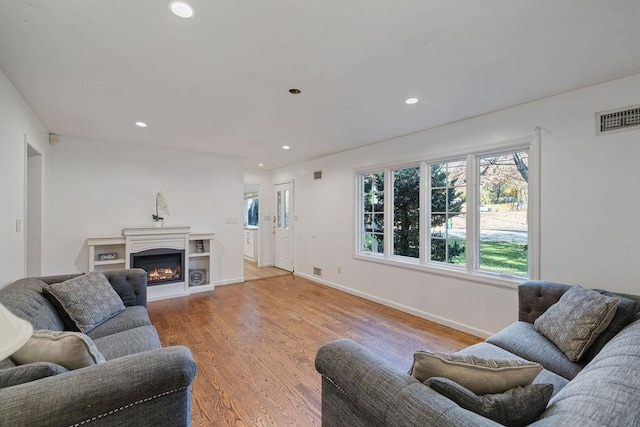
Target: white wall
[
  {"x": 263, "y": 179},
  {"x": 589, "y": 225},
  {"x": 99, "y": 187},
  {"x": 17, "y": 122}
]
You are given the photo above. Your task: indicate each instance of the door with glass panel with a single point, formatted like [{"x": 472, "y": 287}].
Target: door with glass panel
[{"x": 283, "y": 226}]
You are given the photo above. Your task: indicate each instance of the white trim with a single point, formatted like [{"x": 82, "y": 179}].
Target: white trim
[
  {"x": 406, "y": 309},
  {"x": 233, "y": 281}
]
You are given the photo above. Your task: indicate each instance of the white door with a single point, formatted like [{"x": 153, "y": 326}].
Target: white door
[{"x": 283, "y": 226}]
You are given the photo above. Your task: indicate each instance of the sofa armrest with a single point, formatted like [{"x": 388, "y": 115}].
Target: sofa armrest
[
  {"x": 134, "y": 278},
  {"x": 145, "y": 389},
  {"x": 535, "y": 297},
  {"x": 378, "y": 394}
]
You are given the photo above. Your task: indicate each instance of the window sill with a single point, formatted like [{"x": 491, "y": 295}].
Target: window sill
[{"x": 486, "y": 278}]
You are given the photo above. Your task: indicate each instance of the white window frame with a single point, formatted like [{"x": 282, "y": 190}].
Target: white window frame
[{"x": 471, "y": 270}]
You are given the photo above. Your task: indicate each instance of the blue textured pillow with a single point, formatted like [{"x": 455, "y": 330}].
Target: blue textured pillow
[
  {"x": 26, "y": 373},
  {"x": 516, "y": 407}
]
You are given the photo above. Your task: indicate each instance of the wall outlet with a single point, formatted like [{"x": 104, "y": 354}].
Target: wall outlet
[
  {"x": 339, "y": 270},
  {"x": 18, "y": 225}
]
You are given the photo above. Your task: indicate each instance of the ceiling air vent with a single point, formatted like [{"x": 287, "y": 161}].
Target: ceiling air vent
[
  {"x": 317, "y": 175},
  {"x": 618, "y": 120}
]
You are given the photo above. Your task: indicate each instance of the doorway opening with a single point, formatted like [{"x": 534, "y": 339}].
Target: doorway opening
[{"x": 33, "y": 211}]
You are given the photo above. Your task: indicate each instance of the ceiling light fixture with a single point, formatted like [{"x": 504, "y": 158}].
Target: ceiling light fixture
[
  {"x": 295, "y": 91},
  {"x": 181, "y": 9},
  {"x": 260, "y": 164},
  {"x": 141, "y": 124},
  {"x": 285, "y": 147},
  {"x": 411, "y": 101}
]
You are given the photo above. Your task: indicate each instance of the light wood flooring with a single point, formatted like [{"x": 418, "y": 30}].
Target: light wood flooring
[
  {"x": 255, "y": 343},
  {"x": 253, "y": 272}
]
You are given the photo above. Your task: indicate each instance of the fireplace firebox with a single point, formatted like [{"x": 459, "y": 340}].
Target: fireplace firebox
[{"x": 162, "y": 265}]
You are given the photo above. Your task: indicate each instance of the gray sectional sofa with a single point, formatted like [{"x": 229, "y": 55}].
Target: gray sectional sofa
[
  {"x": 140, "y": 384},
  {"x": 361, "y": 389}
]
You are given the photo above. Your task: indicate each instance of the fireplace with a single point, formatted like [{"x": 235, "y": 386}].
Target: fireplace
[{"x": 162, "y": 265}]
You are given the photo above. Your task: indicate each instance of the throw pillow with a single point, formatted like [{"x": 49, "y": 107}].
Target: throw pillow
[
  {"x": 479, "y": 374},
  {"x": 26, "y": 373},
  {"x": 89, "y": 300},
  {"x": 576, "y": 320},
  {"x": 71, "y": 350},
  {"x": 626, "y": 312},
  {"x": 516, "y": 407},
  {"x": 69, "y": 324}
]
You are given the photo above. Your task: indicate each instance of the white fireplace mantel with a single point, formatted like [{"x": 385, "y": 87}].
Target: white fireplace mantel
[{"x": 197, "y": 250}]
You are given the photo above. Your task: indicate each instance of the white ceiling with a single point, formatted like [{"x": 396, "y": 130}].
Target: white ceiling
[{"x": 218, "y": 83}]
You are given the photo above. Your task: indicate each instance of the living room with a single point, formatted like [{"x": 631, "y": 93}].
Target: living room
[{"x": 95, "y": 187}]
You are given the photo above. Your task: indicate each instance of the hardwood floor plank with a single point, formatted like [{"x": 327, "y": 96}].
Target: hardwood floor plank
[{"x": 255, "y": 344}]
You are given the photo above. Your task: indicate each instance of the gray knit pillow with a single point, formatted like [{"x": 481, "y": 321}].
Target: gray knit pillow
[
  {"x": 89, "y": 300},
  {"x": 576, "y": 320},
  {"x": 481, "y": 375},
  {"x": 516, "y": 407}
]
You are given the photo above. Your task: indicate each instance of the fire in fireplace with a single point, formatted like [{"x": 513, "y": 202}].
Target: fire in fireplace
[{"x": 162, "y": 265}]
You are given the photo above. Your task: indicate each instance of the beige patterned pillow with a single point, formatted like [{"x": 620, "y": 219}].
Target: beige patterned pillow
[
  {"x": 73, "y": 350},
  {"x": 576, "y": 320},
  {"x": 481, "y": 375}
]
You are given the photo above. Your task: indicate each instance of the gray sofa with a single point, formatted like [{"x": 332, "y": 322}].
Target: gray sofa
[
  {"x": 141, "y": 383},
  {"x": 361, "y": 389}
]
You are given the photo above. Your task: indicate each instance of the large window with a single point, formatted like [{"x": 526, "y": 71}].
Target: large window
[{"x": 475, "y": 209}]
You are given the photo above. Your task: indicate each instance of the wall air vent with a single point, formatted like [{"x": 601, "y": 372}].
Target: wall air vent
[
  {"x": 317, "y": 271},
  {"x": 317, "y": 175},
  {"x": 618, "y": 120}
]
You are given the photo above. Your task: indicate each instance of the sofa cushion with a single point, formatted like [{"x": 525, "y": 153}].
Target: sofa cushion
[
  {"x": 605, "y": 393},
  {"x": 71, "y": 350},
  {"x": 128, "y": 342},
  {"x": 576, "y": 320},
  {"x": 626, "y": 312},
  {"x": 31, "y": 372},
  {"x": 88, "y": 299},
  {"x": 130, "y": 318},
  {"x": 479, "y": 374},
  {"x": 521, "y": 339},
  {"x": 516, "y": 407}
]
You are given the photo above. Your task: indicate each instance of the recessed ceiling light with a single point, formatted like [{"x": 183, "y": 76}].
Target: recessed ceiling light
[
  {"x": 294, "y": 91},
  {"x": 285, "y": 147},
  {"x": 141, "y": 124},
  {"x": 260, "y": 164},
  {"x": 411, "y": 101},
  {"x": 181, "y": 9}
]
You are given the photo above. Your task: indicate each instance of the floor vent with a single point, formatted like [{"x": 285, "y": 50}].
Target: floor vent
[
  {"x": 317, "y": 271},
  {"x": 317, "y": 175},
  {"x": 619, "y": 120}
]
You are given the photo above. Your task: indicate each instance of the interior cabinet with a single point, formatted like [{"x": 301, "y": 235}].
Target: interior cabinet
[{"x": 250, "y": 244}]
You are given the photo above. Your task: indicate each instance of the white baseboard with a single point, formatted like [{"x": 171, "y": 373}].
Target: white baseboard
[
  {"x": 428, "y": 316},
  {"x": 229, "y": 281}
]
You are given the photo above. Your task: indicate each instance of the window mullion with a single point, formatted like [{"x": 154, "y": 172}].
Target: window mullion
[
  {"x": 388, "y": 213},
  {"x": 472, "y": 212},
  {"x": 425, "y": 212}
]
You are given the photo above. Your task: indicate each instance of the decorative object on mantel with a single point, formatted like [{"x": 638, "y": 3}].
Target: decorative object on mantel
[
  {"x": 200, "y": 246},
  {"x": 197, "y": 277},
  {"x": 108, "y": 257},
  {"x": 161, "y": 206}
]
